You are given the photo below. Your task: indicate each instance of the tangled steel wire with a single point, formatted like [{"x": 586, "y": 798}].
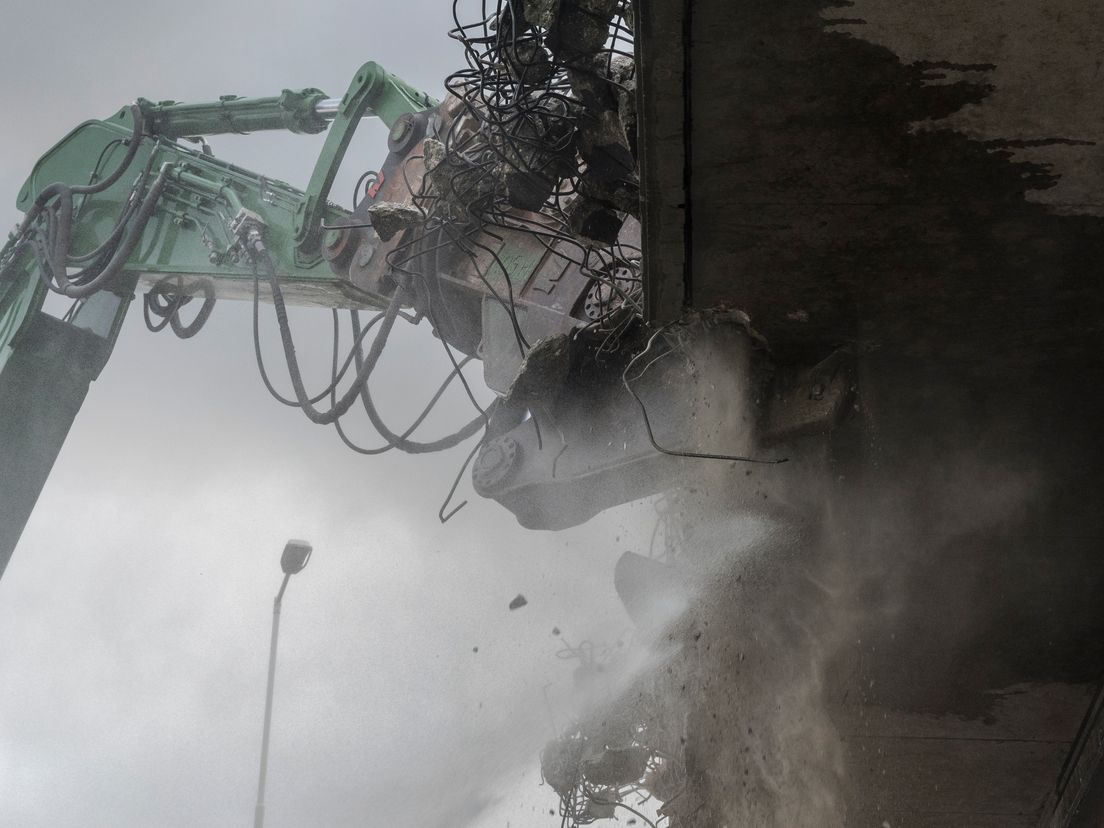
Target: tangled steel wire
[
  {"x": 546, "y": 142},
  {"x": 609, "y": 764},
  {"x": 539, "y": 145},
  {"x": 542, "y": 144}
]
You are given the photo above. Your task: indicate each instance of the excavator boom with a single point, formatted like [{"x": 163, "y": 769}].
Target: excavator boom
[{"x": 123, "y": 205}]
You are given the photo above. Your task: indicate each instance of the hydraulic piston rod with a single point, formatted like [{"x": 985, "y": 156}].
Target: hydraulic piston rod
[
  {"x": 301, "y": 111},
  {"x": 291, "y": 110},
  {"x": 327, "y": 108}
]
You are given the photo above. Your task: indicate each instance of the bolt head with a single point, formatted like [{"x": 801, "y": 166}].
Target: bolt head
[{"x": 495, "y": 464}]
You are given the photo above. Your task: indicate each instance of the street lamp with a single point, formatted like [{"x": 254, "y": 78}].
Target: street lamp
[{"x": 295, "y": 557}]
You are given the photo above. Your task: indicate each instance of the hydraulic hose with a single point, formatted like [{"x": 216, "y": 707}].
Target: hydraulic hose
[
  {"x": 276, "y": 395},
  {"x": 59, "y": 198},
  {"x": 364, "y": 368},
  {"x": 89, "y": 281},
  {"x": 109, "y": 244},
  {"x": 47, "y": 193},
  {"x": 400, "y": 441},
  {"x": 417, "y": 421},
  {"x": 165, "y": 303}
]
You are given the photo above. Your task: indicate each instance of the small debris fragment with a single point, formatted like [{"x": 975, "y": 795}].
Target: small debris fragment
[
  {"x": 555, "y": 631},
  {"x": 595, "y": 222},
  {"x": 518, "y": 602},
  {"x": 576, "y": 30},
  {"x": 434, "y": 152},
  {"x": 475, "y": 649},
  {"x": 389, "y": 218}
]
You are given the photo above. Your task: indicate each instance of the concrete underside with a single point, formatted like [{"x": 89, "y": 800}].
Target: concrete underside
[{"x": 915, "y": 182}]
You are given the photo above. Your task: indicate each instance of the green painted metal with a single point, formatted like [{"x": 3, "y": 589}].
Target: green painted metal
[
  {"x": 292, "y": 110},
  {"x": 516, "y": 261},
  {"x": 191, "y": 233},
  {"x": 196, "y": 233},
  {"x": 20, "y": 296},
  {"x": 372, "y": 89}
]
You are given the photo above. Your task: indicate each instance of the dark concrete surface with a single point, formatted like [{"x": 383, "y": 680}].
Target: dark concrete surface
[{"x": 916, "y": 182}]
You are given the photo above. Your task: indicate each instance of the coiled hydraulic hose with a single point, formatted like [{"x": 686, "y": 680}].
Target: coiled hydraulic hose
[
  {"x": 365, "y": 364},
  {"x": 345, "y": 402},
  {"x": 165, "y": 300}
]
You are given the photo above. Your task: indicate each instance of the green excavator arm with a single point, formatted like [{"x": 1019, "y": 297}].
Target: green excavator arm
[{"x": 123, "y": 204}]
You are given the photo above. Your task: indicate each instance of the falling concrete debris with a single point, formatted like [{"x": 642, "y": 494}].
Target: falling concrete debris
[
  {"x": 518, "y": 602},
  {"x": 389, "y": 218}
]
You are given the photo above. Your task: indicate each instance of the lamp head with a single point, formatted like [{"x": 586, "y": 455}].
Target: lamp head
[{"x": 295, "y": 557}]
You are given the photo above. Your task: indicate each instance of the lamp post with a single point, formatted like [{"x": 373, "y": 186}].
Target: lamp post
[{"x": 296, "y": 554}]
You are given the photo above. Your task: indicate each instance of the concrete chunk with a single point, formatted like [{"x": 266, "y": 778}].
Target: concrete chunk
[{"x": 389, "y": 218}]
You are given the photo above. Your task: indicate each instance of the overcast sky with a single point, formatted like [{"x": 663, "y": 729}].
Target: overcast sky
[{"x": 136, "y": 610}]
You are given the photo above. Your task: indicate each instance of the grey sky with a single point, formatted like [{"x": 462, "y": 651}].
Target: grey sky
[{"x": 136, "y": 608}]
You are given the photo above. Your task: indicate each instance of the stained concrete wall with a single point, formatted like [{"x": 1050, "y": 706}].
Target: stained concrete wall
[{"x": 920, "y": 184}]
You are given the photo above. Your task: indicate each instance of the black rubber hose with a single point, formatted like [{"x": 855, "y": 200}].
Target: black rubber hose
[
  {"x": 152, "y": 304},
  {"x": 88, "y": 281},
  {"x": 414, "y": 425},
  {"x": 276, "y": 395},
  {"x": 166, "y": 303},
  {"x": 400, "y": 441},
  {"x": 342, "y": 405},
  {"x": 192, "y": 328},
  {"x": 57, "y": 201},
  {"x": 364, "y": 364},
  {"x": 108, "y": 244},
  {"x": 117, "y": 173},
  {"x": 66, "y": 191}
]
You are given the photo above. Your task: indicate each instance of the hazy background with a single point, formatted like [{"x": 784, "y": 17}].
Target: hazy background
[{"x": 135, "y": 613}]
